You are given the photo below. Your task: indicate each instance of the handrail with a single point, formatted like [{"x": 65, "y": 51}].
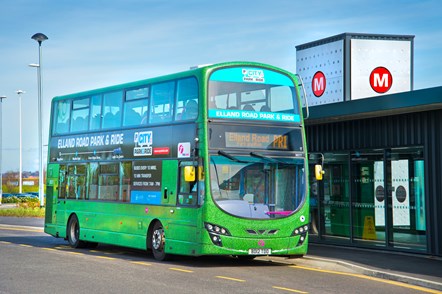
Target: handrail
[{"x": 305, "y": 96}]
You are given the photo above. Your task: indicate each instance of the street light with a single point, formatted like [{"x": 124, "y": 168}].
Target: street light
[
  {"x": 20, "y": 172},
  {"x": 39, "y": 37},
  {"x": 1, "y": 148}
]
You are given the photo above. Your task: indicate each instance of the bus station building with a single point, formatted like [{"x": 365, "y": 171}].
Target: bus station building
[{"x": 379, "y": 142}]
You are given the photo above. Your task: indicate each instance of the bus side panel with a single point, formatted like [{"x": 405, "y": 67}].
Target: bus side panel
[
  {"x": 113, "y": 222},
  {"x": 122, "y": 225}
]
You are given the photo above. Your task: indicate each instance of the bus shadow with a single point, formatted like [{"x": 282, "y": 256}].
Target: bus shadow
[
  {"x": 136, "y": 255},
  {"x": 181, "y": 260}
]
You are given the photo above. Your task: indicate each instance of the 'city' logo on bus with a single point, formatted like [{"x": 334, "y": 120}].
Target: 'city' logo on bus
[
  {"x": 143, "y": 143},
  {"x": 318, "y": 84},
  {"x": 143, "y": 139},
  {"x": 381, "y": 79},
  {"x": 253, "y": 75}
]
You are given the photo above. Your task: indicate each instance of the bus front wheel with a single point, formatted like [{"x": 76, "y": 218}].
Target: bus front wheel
[
  {"x": 73, "y": 233},
  {"x": 158, "y": 242}
]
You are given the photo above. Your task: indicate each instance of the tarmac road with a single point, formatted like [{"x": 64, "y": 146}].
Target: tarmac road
[{"x": 25, "y": 249}]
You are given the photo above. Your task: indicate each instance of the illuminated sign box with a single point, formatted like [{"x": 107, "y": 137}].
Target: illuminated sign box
[
  {"x": 257, "y": 137},
  {"x": 256, "y": 141},
  {"x": 352, "y": 66}
]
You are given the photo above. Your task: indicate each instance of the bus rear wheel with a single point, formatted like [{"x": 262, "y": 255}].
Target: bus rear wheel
[
  {"x": 73, "y": 233},
  {"x": 158, "y": 242}
]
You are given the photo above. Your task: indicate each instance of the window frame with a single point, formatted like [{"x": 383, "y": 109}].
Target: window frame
[{"x": 133, "y": 101}]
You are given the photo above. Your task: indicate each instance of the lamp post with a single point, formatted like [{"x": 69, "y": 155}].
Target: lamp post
[
  {"x": 39, "y": 37},
  {"x": 1, "y": 148},
  {"x": 20, "y": 171}
]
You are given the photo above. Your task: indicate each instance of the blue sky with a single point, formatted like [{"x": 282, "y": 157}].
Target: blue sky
[{"x": 99, "y": 43}]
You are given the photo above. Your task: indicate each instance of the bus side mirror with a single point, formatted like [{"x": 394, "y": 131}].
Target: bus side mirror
[
  {"x": 318, "y": 172},
  {"x": 189, "y": 173}
]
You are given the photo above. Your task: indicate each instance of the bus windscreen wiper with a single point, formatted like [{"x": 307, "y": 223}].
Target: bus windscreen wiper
[
  {"x": 257, "y": 155},
  {"x": 232, "y": 158}
]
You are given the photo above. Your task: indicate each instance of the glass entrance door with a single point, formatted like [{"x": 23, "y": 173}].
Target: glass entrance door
[
  {"x": 406, "y": 205},
  {"x": 368, "y": 197},
  {"x": 388, "y": 198},
  {"x": 371, "y": 198}
]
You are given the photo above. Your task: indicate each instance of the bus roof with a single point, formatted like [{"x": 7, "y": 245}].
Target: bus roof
[{"x": 193, "y": 71}]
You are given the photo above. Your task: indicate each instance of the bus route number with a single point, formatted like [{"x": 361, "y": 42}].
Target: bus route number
[{"x": 280, "y": 142}]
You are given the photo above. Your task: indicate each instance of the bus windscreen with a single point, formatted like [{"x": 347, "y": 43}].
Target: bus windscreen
[{"x": 252, "y": 94}]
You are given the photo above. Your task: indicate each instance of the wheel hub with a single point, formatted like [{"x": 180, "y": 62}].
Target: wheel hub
[{"x": 158, "y": 239}]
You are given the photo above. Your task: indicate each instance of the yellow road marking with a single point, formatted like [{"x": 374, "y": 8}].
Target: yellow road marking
[
  {"x": 62, "y": 247},
  {"x": 26, "y": 245},
  {"x": 141, "y": 263},
  {"x": 288, "y": 289},
  {"x": 73, "y": 252},
  {"x": 180, "y": 270},
  {"x": 400, "y": 284},
  {"x": 231, "y": 279},
  {"x": 105, "y": 257},
  {"x": 49, "y": 249}
]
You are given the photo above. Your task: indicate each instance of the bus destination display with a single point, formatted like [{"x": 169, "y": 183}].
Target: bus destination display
[{"x": 256, "y": 141}]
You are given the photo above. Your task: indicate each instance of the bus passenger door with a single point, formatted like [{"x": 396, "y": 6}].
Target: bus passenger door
[
  {"x": 51, "y": 193},
  {"x": 182, "y": 213},
  {"x": 60, "y": 201}
]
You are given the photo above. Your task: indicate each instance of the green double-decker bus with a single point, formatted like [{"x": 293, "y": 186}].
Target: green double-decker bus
[{"x": 211, "y": 161}]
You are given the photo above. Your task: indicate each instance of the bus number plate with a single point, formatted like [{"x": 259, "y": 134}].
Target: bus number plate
[{"x": 260, "y": 251}]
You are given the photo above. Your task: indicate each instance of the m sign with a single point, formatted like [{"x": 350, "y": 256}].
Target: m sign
[
  {"x": 318, "y": 84},
  {"x": 381, "y": 80}
]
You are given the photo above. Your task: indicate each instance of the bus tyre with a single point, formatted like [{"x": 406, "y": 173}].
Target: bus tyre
[
  {"x": 158, "y": 242},
  {"x": 73, "y": 233}
]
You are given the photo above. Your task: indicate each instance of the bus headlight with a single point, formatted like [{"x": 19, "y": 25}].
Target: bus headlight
[
  {"x": 215, "y": 233},
  {"x": 215, "y": 229},
  {"x": 302, "y": 232}
]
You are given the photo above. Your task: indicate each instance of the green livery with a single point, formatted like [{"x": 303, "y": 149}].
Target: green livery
[{"x": 211, "y": 161}]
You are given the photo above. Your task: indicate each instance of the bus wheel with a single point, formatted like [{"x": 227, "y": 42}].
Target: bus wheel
[
  {"x": 158, "y": 242},
  {"x": 73, "y": 233}
]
